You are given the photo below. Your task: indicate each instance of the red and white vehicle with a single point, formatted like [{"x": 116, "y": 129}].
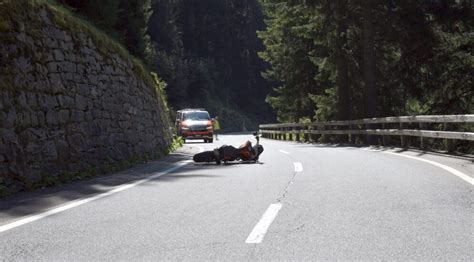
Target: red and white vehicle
[{"x": 194, "y": 124}]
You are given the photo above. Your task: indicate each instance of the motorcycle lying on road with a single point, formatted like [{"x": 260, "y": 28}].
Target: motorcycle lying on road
[{"x": 246, "y": 152}]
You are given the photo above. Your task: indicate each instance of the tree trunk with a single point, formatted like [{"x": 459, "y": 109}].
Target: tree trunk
[
  {"x": 343, "y": 103},
  {"x": 370, "y": 93}
]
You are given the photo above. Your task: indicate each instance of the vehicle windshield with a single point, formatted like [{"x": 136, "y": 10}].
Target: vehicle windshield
[{"x": 196, "y": 116}]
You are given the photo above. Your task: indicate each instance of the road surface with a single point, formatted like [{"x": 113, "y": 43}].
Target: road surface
[{"x": 301, "y": 202}]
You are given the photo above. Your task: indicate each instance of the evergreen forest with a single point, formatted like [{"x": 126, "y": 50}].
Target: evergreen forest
[
  {"x": 250, "y": 61},
  {"x": 356, "y": 59}
]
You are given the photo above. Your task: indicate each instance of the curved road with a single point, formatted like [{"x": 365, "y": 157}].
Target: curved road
[{"x": 302, "y": 202}]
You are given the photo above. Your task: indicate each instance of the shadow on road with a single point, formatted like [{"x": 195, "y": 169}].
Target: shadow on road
[
  {"x": 178, "y": 176},
  {"x": 28, "y": 203},
  {"x": 418, "y": 151},
  {"x": 243, "y": 163}
]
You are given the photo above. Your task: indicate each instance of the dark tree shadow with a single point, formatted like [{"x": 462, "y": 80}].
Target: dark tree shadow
[
  {"x": 418, "y": 151},
  {"x": 28, "y": 203}
]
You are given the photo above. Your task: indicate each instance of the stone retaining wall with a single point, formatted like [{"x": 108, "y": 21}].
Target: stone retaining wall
[{"x": 69, "y": 105}]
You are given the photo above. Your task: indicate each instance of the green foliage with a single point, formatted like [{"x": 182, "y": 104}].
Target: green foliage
[
  {"x": 3, "y": 191},
  {"x": 177, "y": 143},
  {"x": 4, "y": 25},
  {"x": 160, "y": 87},
  {"x": 12, "y": 11},
  {"x": 104, "y": 13},
  {"x": 52, "y": 180},
  {"x": 124, "y": 20},
  {"x": 297, "y": 63},
  {"x": 415, "y": 107},
  {"x": 282, "y": 104},
  {"x": 206, "y": 51},
  {"x": 305, "y": 120},
  {"x": 326, "y": 105},
  {"x": 66, "y": 19},
  {"x": 47, "y": 180},
  {"x": 411, "y": 57},
  {"x": 133, "y": 17},
  {"x": 67, "y": 177}
]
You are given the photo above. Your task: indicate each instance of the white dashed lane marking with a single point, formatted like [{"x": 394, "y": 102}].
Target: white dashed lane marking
[
  {"x": 259, "y": 231},
  {"x": 298, "y": 167},
  {"x": 284, "y": 152}
]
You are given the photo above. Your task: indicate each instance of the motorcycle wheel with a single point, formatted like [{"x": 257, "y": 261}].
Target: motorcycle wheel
[{"x": 207, "y": 156}]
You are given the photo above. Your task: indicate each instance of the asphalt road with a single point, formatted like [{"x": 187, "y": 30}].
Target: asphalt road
[{"x": 301, "y": 202}]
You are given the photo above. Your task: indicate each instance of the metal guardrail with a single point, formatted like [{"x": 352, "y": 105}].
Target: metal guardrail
[{"x": 376, "y": 127}]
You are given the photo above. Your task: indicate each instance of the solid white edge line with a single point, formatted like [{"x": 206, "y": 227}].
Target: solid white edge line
[
  {"x": 451, "y": 170},
  {"x": 79, "y": 202},
  {"x": 298, "y": 167},
  {"x": 259, "y": 231},
  {"x": 284, "y": 152}
]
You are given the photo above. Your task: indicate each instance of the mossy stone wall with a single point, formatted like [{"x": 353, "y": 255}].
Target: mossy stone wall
[{"x": 69, "y": 104}]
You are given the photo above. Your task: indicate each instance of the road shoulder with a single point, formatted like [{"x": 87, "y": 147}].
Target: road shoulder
[{"x": 28, "y": 203}]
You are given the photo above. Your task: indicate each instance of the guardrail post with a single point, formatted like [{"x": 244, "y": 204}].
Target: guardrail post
[
  {"x": 349, "y": 136},
  {"x": 449, "y": 142},
  {"x": 422, "y": 144},
  {"x": 339, "y": 138},
  {"x": 344, "y": 138},
  {"x": 318, "y": 136},
  {"x": 313, "y": 137},
  {"x": 402, "y": 138},
  {"x": 310, "y": 136},
  {"x": 384, "y": 138},
  {"x": 370, "y": 139},
  {"x": 355, "y": 130},
  {"x": 306, "y": 134}
]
